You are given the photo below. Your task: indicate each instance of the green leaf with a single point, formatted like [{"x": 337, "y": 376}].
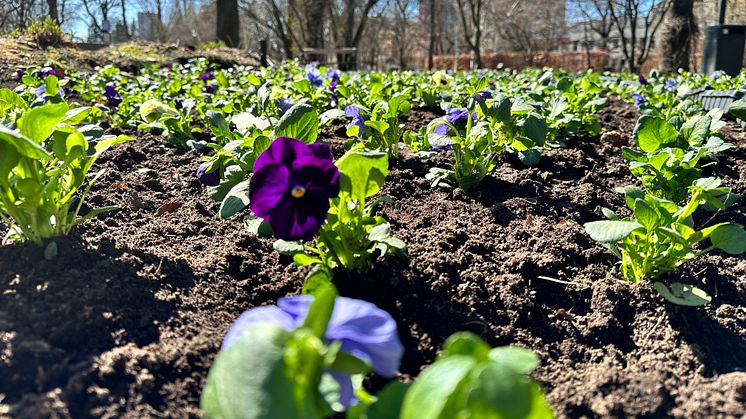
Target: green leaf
[
  {"x": 152, "y": 110},
  {"x": 380, "y": 232},
  {"x": 300, "y": 122},
  {"x": 729, "y": 237},
  {"x": 246, "y": 121},
  {"x": 236, "y": 200},
  {"x": 696, "y": 129},
  {"x": 610, "y": 231},
  {"x": 22, "y": 145},
  {"x": 39, "y": 123},
  {"x": 682, "y": 294},
  {"x": 497, "y": 391},
  {"x": 288, "y": 248},
  {"x": 530, "y": 157},
  {"x": 316, "y": 280},
  {"x": 390, "y": 400},
  {"x": 10, "y": 100},
  {"x": 218, "y": 124},
  {"x": 465, "y": 343},
  {"x": 257, "y": 226},
  {"x": 535, "y": 128},
  {"x": 232, "y": 176},
  {"x": 646, "y": 215},
  {"x": 249, "y": 380},
  {"x": 320, "y": 311},
  {"x": 738, "y": 109},
  {"x": 428, "y": 396},
  {"x": 50, "y": 252},
  {"x": 364, "y": 173},
  {"x": 520, "y": 360},
  {"x": 652, "y": 133},
  {"x": 331, "y": 115},
  {"x": 302, "y": 259},
  {"x": 348, "y": 364}
]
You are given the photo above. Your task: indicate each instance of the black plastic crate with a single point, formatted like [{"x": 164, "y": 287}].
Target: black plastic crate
[
  {"x": 719, "y": 98},
  {"x": 697, "y": 94}
]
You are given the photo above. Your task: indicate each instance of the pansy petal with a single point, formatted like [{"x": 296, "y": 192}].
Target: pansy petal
[
  {"x": 364, "y": 328},
  {"x": 269, "y": 315},
  {"x": 295, "y": 219},
  {"x": 347, "y": 396},
  {"x": 323, "y": 151},
  {"x": 283, "y": 151},
  {"x": 267, "y": 187},
  {"x": 296, "y": 305},
  {"x": 441, "y": 129}
]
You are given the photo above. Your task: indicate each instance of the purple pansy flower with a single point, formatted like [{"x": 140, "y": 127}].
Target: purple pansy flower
[
  {"x": 179, "y": 103},
  {"x": 206, "y": 76},
  {"x": 671, "y": 84},
  {"x": 333, "y": 85},
  {"x": 19, "y": 74},
  {"x": 364, "y": 331},
  {"x": 332, "y": 74},
  {"x": 334, "y": 101},
  {"x": 211, "y": 87},
  {"x": 314, "y": 77},
  {"x": 112, "y": 95},
  {"x": 208, "y": 178},
  {"x": 284, "y": 105},
  {"x": 291, "y": 187},
  {"x": 44, "y": 72},
  {"x": 643, "y": 81},
  {"x": 482, "y": 96},
  {"x": 353, "y": 111},
  {"x": 457, "y": 117},
  {"x": 639, "y": 99}
]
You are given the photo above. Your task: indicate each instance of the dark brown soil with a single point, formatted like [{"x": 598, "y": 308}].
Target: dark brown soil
[{"x": 126, "y": 321}]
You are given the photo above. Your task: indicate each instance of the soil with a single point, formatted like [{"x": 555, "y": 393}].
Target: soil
[
  {"x": 19, "y": 52},
  {"x": 128, "y": 318}
]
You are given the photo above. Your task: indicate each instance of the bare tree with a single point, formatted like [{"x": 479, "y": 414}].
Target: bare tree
[
  {"x": 269, "y": 16},
  {"x": 348, "y": 21},
  {"x": 402, "y": 29},
  {"x": 98, "y": 11},
  {"x": 637, "y": 22},
  {"x": 679, "y": 32},
  {"x": 470, "y": 12},
  {"x": 52, "y": 6},
  {"x": 596, "y": 16},
  {"x": 530, "y": 28}
]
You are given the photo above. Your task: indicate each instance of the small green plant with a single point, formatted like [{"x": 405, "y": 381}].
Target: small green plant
[
  {"x": 44, "y": 165},
  {"x": 385, "y": 129},
  {"x": 47, "y": 33},
  {"x": 175, "y": 125},
  {"x": 671, "y": 153},
  {"x": 480, "y": 133},
  {"x": 660, "y": 235},
  {"x": 211, "y": 45}
]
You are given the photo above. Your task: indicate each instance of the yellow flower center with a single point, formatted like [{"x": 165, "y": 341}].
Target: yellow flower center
[{"x": 298, "y": 192}]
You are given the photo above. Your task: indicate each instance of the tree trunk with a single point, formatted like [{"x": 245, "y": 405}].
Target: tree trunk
[
  {"x": 124, "y": 19},
  {"x": 677, "y": 36},
  {"x": 315, "y": 14},
  {"x": 431, "y": 45},
  {"x": 228, "y": 23},
  {"x": 53, "y": 15}
]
